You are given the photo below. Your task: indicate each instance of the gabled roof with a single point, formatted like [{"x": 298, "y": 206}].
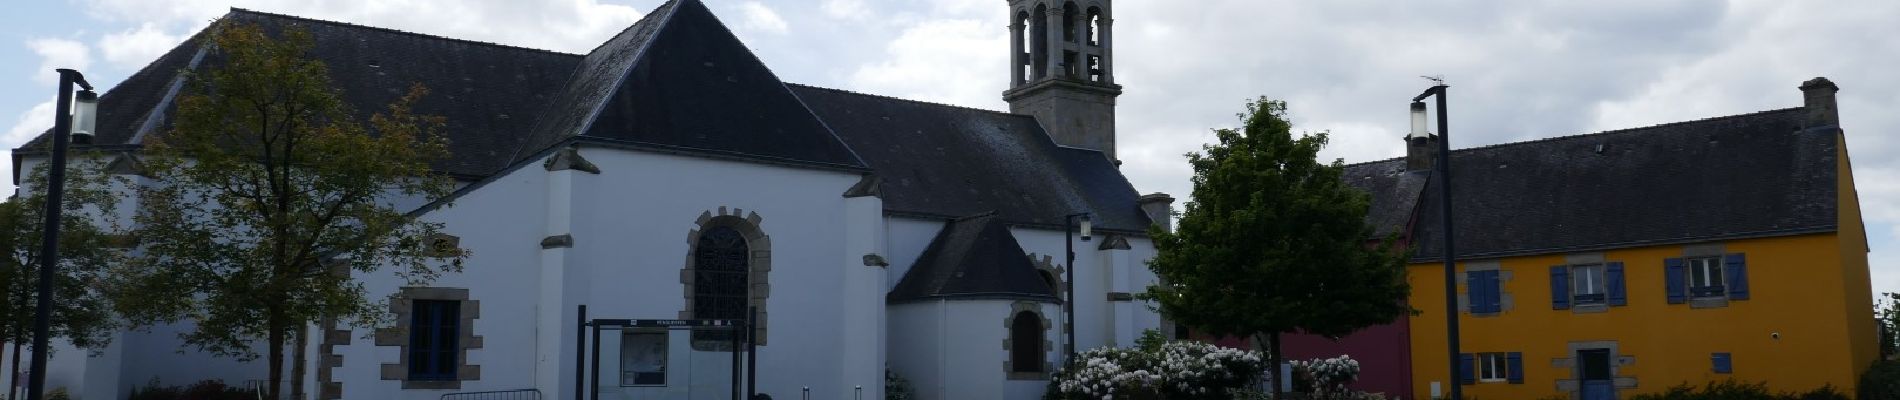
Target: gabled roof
[
  {"x": 946, "y": 161},
  {"x": 679, "y": 80},
  {"x": 1738, "y": 176},
  {"x": 973, "y": 258}
]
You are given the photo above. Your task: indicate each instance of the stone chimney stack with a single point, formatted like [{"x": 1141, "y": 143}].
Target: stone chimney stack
[
  {"x": 1420, "y": 152},
  {"x": 1160, "y": 209},
  {"x": 1818, "y": 96}
]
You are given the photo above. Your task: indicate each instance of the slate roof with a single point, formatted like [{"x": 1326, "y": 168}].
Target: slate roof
[
  {"x": 1747, "y": 175},
  {"x": 679, "y": 81},
  {"x": 946, "y": 161},
  {"x": 973, "y": 258},
  {"x": 489, "y": 93}
]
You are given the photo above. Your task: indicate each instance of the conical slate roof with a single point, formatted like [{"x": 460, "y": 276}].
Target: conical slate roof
[{"x": 973, "y": 258}]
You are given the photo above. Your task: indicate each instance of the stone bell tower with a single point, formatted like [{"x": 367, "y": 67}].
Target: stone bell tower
[{"x": 1061, "y": 70}]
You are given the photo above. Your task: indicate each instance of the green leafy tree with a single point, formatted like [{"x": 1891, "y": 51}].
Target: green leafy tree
[
  {"x": 1887, "y": 313},
  {"x": 268, "y": 192},
  {"x": 1275, "y": 242},
  {"x": 88, "y": 247}
]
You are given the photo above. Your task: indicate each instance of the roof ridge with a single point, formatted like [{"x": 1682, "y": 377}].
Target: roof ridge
[
  {"x": 929, "y": 103},
  {"x": 1596, "y": 134},
  {"x": 235, "y": 10},
  {"x": 635, "y": 24}
]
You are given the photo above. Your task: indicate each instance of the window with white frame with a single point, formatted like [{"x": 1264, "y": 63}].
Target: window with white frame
[
  {"x": 1587, "y": 283},
  {"x": 1705, "y": 277},
  {"x": 1493, "y": 367},
  {"x": 643, "y": 359}
]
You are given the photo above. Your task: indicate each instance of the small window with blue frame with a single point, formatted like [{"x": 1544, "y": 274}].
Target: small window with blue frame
[{"x": 434, "y": 339}]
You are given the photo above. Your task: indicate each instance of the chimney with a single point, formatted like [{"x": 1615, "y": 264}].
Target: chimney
[
  {"x": 1160, "y": 208},
  {"x": 1420, "y": 152},
  {"x": 1818, "y": 100}
]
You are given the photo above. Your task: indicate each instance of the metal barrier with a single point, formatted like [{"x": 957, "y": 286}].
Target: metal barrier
[{"x": 517, "y": 394}]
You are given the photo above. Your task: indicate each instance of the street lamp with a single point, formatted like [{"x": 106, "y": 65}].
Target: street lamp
[
  {"x": 1443, "y": 167},
  {"x": 1068, "y": 282},
  {"x": 69, "y": 112}
]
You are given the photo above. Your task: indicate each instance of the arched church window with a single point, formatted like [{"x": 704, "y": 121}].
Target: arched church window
[
  {"x": 1025, "y": 334},
  {"x": 1095, "y": 26},
  {"x": 720, "y": 279},
  {"x": 1070, "y": 15}
]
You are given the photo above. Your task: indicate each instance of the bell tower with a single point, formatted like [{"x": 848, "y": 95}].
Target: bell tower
[{"x": 1061, "y": 70}]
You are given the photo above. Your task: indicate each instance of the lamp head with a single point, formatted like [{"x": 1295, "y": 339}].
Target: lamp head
[
  {"x": 1418, "y": 122},
  {"x": 1088, "y": 228},
  {"x": 85, "y": 116}
]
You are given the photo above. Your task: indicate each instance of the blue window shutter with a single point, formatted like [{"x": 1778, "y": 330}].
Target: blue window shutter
[
  {"x": 1559, "y": 288},
  {"x": 1474, "y": 291},
  {"x": 1494, "y": 291},
  {"x": 1673, "y": 281},
  {"x": 1613, "y": 281},
  {"x": 1722, "y": 363},
  {"x": 1737, "y": 279},
  {"x": 1467, "y": 369},
  {"x": 1516, "y": 362}
]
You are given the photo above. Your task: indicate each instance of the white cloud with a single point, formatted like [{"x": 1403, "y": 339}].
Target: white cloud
[
  {"x": 134, "y": 48},
  {"x": 854, "y": 10},
  {"x": 956, "y": 61},
  {"x": 760, "y": 18},
  {"x": 58, "y": 53},
  {"x": 30, "y": 124}
]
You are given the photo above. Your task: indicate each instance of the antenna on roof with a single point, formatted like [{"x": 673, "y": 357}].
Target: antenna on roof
[{"x": 1437, "y": 79}]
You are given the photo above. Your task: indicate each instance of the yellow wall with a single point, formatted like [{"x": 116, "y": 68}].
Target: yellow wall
[
  {"x": 1796, "y": 289},
  {"x": 1859, "y": 285}
]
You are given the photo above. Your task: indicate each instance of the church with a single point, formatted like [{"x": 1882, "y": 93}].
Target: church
[{"x": 668, "y": 174}]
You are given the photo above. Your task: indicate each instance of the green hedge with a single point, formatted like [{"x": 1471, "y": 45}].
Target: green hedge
[
  {"x": 1882, "y": 382},
  {"x": 1732, "y": 390}
]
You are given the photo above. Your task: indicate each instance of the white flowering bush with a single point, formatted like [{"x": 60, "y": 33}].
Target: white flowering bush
[
  {"x": 1170, "y": 370},
  {"x": 1326, "y": 378}
]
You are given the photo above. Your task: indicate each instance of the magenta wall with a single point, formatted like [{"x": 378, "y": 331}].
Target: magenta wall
[{"x": 1384, "y": 354}]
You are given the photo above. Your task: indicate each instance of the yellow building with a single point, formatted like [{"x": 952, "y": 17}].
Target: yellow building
[{"x": 1610, "y": 264}]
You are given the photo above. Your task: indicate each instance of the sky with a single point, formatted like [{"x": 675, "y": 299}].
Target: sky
[{"x": 1518, "y": 70}]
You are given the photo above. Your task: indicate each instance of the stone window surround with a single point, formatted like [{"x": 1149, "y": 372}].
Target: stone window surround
[
  {"x": 1506, "y": 301},
  {"x": 1704, "y": 250},
  {"x": 757, "y": 243},
  {"x": 1571, "y": 261},
  {"x": 1574, "y": 384},
  {"x": 1009, "y": 322},
  {"x": 401, "y": 304},
  {"x": 1047, "y": 264}
]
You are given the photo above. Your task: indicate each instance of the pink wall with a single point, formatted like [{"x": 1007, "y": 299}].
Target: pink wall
[{"x": 1383, "y": 352}]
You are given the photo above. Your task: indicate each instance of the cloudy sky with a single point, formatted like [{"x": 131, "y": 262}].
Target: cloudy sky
[{"x": 1519, "y": 70}]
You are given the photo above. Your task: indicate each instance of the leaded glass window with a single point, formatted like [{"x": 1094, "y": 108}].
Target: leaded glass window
[{"x": 721, "y": 276}]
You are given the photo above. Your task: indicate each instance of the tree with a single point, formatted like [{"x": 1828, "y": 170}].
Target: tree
[
  {"x": 88, "y": 247},
  {"x": 268, "y": 193},
  {"x": 1887, "y": 315},
  {"x": 1275, "y": 242}
]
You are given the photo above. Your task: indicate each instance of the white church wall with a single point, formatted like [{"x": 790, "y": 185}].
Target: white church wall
[
  {"x": 631, "y": 226},
  {"x": 953, "y": 349},
  {"x": 906, "y": 240},
  {"x": 501, "y": 225}
]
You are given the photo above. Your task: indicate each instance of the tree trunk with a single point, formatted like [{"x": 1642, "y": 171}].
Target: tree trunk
[
  {"x": 1273, "y": 363},
  {"x": 14, "y": 379},
  {"x": 297, "y": 361},
  {"x": 274, "y": 323}
]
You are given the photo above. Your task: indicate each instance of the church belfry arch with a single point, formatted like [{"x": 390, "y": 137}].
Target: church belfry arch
[{"x": 728, "y": 261}]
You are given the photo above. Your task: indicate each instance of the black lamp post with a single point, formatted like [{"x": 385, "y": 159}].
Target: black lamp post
[
  {"x": 1443, "y": 167},
  {"x": 1068, "y": 282},
  {"x": 69, "y": 111}
]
